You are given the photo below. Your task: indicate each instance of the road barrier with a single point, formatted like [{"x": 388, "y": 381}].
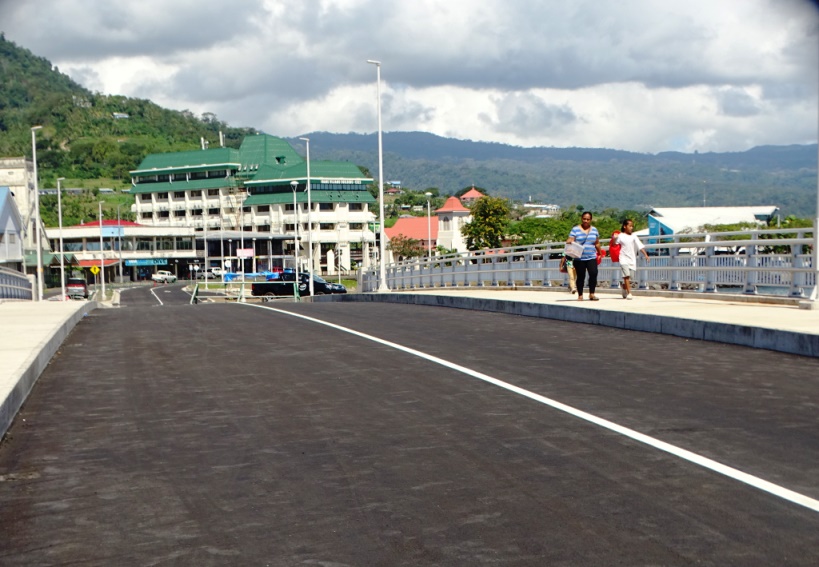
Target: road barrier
[
  {"x": 759, "y": 262},
  {"x": 14, "y": 285}
]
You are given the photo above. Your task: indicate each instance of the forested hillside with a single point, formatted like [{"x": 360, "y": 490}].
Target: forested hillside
[
  {"x": 785, "y": 176},
  {"x": 88, "y": 135}
]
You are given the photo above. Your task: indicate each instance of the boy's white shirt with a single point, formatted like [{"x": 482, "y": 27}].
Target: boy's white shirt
[{"x": 630, "y": 245}]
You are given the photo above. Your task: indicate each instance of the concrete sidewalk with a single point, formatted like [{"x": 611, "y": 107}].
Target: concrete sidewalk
[
  {"x": 779, "y": 325},
  {"x": 30, "y": 334}
]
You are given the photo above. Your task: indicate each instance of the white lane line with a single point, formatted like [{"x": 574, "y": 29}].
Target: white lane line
[
  {"x": 705, "y": 462},
  {"x": 156, "y": 296}
]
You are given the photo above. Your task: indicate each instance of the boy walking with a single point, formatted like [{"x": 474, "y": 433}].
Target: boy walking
[{"x": 629, "y": 245}]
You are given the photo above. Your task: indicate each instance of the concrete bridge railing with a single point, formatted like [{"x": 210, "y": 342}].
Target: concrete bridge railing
[{"x": 765, "y": 262}]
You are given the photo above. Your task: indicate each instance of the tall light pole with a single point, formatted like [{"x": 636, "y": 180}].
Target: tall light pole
[
  {"x": 242, "y": 236},
  {"x": 60, "y": 221},
  {"x": 37, "y": 231},
  {"x": 429, "y": 225},
  {"x": 102, "y": 256},
  {"x": 382, "y": 285},
  {"x": 294, "y": 185},
  {"x": 119, "y": 243},
  {"x": 207, "y": 259},
  {"x": 813, "y": 301},
  {"x": 309, "y": 220},
  {"x": 222, "y": 267}
]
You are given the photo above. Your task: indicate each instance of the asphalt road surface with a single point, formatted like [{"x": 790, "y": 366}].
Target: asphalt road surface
[{"x": 177, "y": 434}]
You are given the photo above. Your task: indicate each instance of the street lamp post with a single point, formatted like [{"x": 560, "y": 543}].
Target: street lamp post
[
  {"x": 309, "y": 221},
  {"x": 382, "y": 285},
  {"x": 253, "y": 260},
  {"x": 102, "y": 256},
  {"x": 230, "y": 254},
  {"x": 60, "y": 221},
  {"x": 813, "y": 301},
  {"x": 429, "y": 226},
  {"x": 119, "y": 244},
  {"x": 294, "y": 185},
  {"x": 37, "y": 231}
]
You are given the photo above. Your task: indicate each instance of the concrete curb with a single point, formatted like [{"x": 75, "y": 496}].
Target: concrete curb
[
  {"x": 770, "y": 339},
  {"x": 34, "y": 366}
]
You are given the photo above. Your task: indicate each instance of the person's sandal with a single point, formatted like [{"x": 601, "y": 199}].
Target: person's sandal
[
  {"x": 580, "y": 298},
  {"x": 593, "y": 298}
]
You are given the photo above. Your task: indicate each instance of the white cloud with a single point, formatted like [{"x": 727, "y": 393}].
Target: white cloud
[{"x": 642, "y": 75}]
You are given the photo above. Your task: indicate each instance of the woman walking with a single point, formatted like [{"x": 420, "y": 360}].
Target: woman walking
[{"x": 587, "y": 236}]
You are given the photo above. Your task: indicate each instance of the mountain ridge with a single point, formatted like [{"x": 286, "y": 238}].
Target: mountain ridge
[
  {"x": 82, "y": 139},
  {"x": 594, "y": 177}
]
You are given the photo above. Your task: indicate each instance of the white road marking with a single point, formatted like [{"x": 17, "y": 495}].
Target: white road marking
[
  {"x": 156, "y": 296},
  {"x": 689, "y": 456}
]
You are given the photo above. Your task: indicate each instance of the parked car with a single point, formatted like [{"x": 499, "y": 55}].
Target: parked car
[
  {"x": 163, "y": 276},
  {"x": 76, "y": 288},
  {"x": 208, "y": 274},
  {"x": 282, "y": 285}
]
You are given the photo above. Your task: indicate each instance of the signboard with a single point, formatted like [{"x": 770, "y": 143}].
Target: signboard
[
  {"x": 112, "y": 231},
  {"x": 338, "y": 181},
  {"x": 95, "y": 270},
  {"x": 244, "y": 253},
  {"x": 147, "y": 262}
]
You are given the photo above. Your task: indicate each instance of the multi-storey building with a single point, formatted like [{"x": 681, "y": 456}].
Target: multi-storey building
[
  {"x": 260, "y": 190},
  {"x": 17, "y": 173}
]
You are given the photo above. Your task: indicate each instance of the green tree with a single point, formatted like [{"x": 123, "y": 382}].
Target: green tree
[
  {"x": 404, "y": 247},
  {"x": 490, "y": 218}
]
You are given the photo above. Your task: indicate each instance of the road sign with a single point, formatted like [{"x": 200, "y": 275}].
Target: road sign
[
  {"x": 95, "y": 270},
  {"x": 147, "y": 262}
]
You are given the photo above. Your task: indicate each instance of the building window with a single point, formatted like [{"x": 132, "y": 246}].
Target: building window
[
  {"x": 163, "y": 195},
  {"x": 179, "y": 213},
  {"x": 213, "y": 211},
  {"x": 213, "y": 192},
  {"x": 263, "y": 228},
  {"x": 145, "y": 245},
  {"x": 263, "y": 209},
  {"x": 164, "y": 214},
  {"x": 356, "y": 226},
  {"x": 178, "y": 194},
  {"x": 356, "y": 206},
  {"x": 147, "y": 216},
  {"x": 325, "y": 206},
  {"x": 327, "y": 226},
  {"x": 179, "y": 177}
]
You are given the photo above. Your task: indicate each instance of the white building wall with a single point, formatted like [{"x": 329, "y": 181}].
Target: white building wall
[{"x": 280, "y": 221}]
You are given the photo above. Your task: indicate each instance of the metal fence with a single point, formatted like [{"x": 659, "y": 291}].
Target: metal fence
[
  {"x": 14, "y": 285},
  {"x": 765, "y": 262}
]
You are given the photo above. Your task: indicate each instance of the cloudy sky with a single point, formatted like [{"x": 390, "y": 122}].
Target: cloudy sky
[{"x": 640, "y": 75}]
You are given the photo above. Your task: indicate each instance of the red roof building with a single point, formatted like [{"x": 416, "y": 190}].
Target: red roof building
[
  {"x": 416, "y": 228},
  {"x": 453, "y": 205},
  {"x": 106, "y": 222},
  {"x": 471, "y": 196}
]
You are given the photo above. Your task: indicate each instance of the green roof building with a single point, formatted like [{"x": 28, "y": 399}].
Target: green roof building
[{"x": 253, "y": 190}]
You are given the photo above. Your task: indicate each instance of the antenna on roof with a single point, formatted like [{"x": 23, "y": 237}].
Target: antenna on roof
[{"x": 221, "y": 139}]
